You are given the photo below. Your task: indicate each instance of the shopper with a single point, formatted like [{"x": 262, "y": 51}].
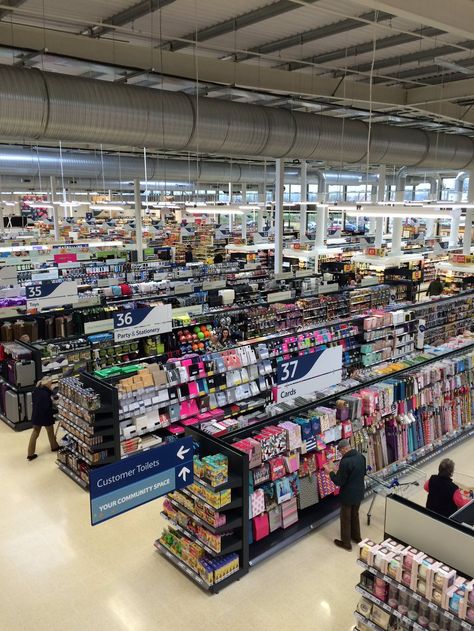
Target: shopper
[
  {"x": 188, "y": 255},
  {"x": 435, "y": 288},
  {"x": 350, "y": 480},
  {"x": 218, "y": 258},
  {"x": 444, "y": 497},
  {"x": 42, "y": 416}
]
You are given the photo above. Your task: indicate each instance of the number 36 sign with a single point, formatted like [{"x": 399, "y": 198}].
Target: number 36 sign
[
  {"x": 309, "y": 373},
  {"x": 134, "y": 323}
]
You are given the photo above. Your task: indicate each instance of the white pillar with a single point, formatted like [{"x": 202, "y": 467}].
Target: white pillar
[
  {"x": 304, "y": 200},
  {"x": 321, "y": 225},
  {"x": 454, "y": 230},
  {"x": 244, "y": 225},
  {"x": 244, "y": 194},
  {"x": 138, "y": 220},
  {"x": 467, "y": 241},
  {"x": 262, "y": 201},
  {"x": 397, "y": 229},
  {"x": 381, "y": 184},
  {"x": 379, "y": 221},
  {"x": 279, "y": 190},
  {"x": 430, "y": 228},
  {"x": 52, "y": 182}
]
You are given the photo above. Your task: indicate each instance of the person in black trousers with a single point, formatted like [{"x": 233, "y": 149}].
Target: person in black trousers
[
  {"x": 42, "y": 416},
  {"x": 350, "y": 480},
  {"x": 188, "y": 255}
]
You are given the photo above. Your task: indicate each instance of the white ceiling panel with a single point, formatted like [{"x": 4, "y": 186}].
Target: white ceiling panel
[{"x": 84, "y": 10}]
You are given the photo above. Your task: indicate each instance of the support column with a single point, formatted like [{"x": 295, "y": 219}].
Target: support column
[
  {"x": 261, "y": 210},
  {"x": 304, "y": 200},
  {"x": 379, "y": 221},
  {"x": 321, "y": 232},
  {"x": 279, "y": 190},
  {"x": 467, "y": 241},
  {"x": 244, "y": 194},
  {"x": 138, "y": 220},
  {"x": 52, "y": 183},
  {"x": 244, "y": 225},
  {"x": 430, "y": 228},
  {"x": 454, "y": 229},
  {"x": 397, "y": 222}
]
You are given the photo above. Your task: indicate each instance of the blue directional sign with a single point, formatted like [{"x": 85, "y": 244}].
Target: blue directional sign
[
  {"x": 309, "y": 373},
  {"x": 142, "y": 322},
  {"x": 124, "y": 485},
  {"x": 51, "y": 294}
]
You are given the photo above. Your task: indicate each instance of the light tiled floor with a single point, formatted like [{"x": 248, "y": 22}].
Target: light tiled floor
[{"x": 57, "y": 573}]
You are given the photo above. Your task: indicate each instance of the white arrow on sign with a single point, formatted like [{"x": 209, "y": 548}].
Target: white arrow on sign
[
  {"x": 181, "y": 452},
  {"x": 184, "y": 473}
]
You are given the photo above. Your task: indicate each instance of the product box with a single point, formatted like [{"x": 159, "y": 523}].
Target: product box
[
  {"x": 382, "y": 558},
  {"x": 380, "y": 617},
  {"x": 367, "y": 550},
  {"x": 443, "y": 579}
]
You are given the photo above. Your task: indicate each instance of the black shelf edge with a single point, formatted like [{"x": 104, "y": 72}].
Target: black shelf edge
[
  {"x": 172, "y": 558},
  {"x": 233, "y": 546},
  {"x": 79, "y": 481},
  {"x": 232, "y": 523},
  {"x": 233, "y": 482},
  {"x": 310, "y": 519},
  {"x": 17, "y": 427}
]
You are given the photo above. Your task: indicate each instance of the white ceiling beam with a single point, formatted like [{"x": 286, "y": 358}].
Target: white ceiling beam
[
  {"x": 250, "y": 76},
  {"x": 437, "y": 93},
  {"x": 440, "y": 14}
]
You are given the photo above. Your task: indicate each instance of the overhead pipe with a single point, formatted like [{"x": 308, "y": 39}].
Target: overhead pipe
[{"x": 36, "y": 105}]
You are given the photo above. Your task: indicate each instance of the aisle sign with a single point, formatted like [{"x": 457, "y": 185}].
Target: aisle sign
[
  {"x": 48, "y": 295},
  {"x": 139, "y": 479},
  {"x": 133, "y": 323},
  {"x": 308, "y": 374}
]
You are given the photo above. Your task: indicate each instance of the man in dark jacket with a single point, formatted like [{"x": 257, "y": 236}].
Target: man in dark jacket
[{"x": 350, "y": 480}]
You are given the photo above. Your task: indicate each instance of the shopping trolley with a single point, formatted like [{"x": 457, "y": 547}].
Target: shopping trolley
[{"x": 385, "y": 483}]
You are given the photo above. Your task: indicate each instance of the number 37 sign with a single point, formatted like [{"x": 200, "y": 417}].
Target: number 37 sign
[{"x": 309, "y": 373}]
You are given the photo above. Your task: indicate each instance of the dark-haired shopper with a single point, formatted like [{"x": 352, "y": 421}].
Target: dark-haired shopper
[
  {"x": 42, "y": 416},
  {"x": 444, "y": 497}
]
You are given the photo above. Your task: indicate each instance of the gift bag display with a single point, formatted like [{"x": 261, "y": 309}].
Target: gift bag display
[
  {"x": 257, "y": 502},
  {"x": 325, "y": 485},
  {"x": 308, "y": 495},
  {"x": 260, "y": 527},
  {"x": 274, "y": 518}
]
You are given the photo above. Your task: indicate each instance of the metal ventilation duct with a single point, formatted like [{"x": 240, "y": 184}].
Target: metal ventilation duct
[
  {"x": 34, "y": 162},
  {"x": 37, "y": 105}
]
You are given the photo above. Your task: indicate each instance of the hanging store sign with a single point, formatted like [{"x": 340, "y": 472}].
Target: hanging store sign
[
  {"x": 51, "y": 295},
  {"x": 134, "y": 323},
  {"x": 308, "y": 374},
  {"x": 139, "y": 479}
]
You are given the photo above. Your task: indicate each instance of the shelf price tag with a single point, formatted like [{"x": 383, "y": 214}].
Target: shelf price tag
[
  {"x": 47, "y": 295},
  {"x": 139, "y": 479},
  {"x": 134, "y": 323},
  {"x": 309, "y": 373}
]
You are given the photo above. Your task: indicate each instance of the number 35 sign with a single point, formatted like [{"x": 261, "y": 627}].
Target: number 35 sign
[
  {"x": 309, "y": 373},
  {"x": 129, "y": 325}
]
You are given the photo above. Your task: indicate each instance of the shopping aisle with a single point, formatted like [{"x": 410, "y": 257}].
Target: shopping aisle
[{"x": 59, "y": 573}]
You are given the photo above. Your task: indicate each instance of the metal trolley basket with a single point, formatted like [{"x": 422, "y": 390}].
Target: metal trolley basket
[{"x": 385, "y": 483}]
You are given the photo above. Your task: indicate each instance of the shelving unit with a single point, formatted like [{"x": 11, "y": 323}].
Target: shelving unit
[
  {"x": 236, "y": 520},
  {"x": 88, "y": 433}
]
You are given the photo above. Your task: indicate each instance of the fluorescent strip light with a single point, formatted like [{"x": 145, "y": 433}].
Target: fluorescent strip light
[
  {"x": 214, "y": 211},
  {"x": 39, "y": 205},
  {"x": 106, "y": 207}
]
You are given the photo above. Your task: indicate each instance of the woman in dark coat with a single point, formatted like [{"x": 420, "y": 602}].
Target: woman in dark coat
[{"x": 42, "y": 416}]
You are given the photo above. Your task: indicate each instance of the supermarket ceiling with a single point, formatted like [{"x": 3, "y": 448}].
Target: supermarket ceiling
[{"x": 383, "y": 61}]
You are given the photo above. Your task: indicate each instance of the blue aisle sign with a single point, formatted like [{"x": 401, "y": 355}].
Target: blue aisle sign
[
  {"x": 142, "y": 322},
  {"x": 124, "y": 485},
  {"x": 51, "y": 295},
  {"x": 309, "y": 373}
]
